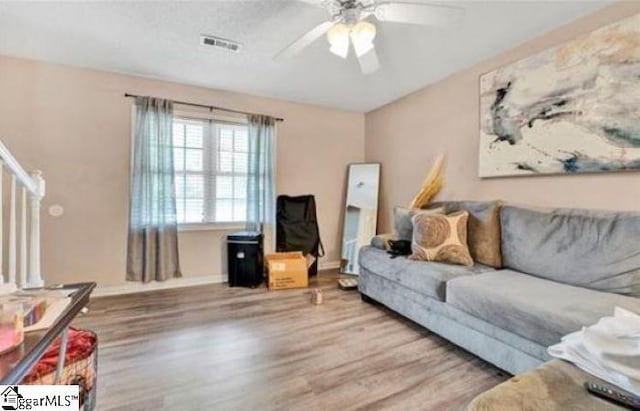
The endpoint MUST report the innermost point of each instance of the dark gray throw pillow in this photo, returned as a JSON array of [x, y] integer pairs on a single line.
[[402, 223]]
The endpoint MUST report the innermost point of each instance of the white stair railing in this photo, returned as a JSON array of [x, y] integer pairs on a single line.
[[32, 191]]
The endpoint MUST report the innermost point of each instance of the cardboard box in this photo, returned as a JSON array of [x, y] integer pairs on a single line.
[[286, 270]]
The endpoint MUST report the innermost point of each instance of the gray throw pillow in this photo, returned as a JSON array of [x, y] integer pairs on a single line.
[[402, 223]]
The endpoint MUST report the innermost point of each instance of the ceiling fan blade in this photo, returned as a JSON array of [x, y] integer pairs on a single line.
[[304, 41], [369, 62], [415, 13]]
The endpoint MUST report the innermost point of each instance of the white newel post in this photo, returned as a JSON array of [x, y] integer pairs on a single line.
[[12, 231], [35, 276], [22, 277], [5, 287], [9, 286]]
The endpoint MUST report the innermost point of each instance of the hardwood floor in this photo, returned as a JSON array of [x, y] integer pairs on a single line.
[[219, 348]]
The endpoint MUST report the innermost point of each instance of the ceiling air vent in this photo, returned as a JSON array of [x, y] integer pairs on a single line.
[[213, 41]]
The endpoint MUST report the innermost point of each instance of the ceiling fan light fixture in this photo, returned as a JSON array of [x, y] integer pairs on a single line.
[[362, 35], [338, 37], [350, 21]]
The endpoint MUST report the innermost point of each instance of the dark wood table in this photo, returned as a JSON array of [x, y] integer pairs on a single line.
[[14, 365]]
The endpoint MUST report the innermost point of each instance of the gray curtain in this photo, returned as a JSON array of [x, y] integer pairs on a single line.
[[261, 179], [152, 249]]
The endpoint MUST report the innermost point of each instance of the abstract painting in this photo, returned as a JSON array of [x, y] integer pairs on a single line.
[[574, 108]]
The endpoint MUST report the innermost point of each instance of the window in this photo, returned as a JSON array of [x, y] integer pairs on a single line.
[[211, 164]]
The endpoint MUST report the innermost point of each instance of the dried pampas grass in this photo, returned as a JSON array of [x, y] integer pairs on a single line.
[[431, 185]]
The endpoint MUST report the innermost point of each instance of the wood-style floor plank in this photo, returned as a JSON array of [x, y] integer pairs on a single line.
[[220, 348]]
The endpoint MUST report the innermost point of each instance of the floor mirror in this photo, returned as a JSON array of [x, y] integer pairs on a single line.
[[360, 213]]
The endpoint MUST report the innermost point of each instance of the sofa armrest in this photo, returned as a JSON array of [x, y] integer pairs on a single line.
[[381, 241]]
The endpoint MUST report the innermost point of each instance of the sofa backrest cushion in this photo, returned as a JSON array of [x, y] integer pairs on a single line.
[[483, 230], [593, 249]]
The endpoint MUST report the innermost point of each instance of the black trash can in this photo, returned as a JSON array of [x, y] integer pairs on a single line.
[[245, 257]]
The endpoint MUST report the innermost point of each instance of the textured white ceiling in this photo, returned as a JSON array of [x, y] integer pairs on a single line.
[[161, 40]]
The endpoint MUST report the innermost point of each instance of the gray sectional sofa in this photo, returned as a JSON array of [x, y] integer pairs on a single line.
[[561, 270]]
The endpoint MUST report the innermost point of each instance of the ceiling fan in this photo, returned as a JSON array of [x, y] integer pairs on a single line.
[[348, 24]]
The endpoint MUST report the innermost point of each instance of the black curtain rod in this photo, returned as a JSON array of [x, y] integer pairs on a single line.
[[184, 103]]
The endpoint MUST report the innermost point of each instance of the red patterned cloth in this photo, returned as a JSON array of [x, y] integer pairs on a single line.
[[80, 367], [81, 344]]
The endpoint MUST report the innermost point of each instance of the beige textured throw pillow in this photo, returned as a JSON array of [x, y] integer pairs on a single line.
[[485, 236], [441, 238], [483, 229]]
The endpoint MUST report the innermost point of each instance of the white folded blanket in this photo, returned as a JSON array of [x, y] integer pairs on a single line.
[[609, 350]]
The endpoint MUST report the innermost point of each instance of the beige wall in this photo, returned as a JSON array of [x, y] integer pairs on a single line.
[[74, 124], [407, 135]]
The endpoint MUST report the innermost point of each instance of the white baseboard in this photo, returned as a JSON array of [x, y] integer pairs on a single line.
[[328, 265], [134, 287]]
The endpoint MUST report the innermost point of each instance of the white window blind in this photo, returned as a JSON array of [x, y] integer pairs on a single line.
[[211, 163]]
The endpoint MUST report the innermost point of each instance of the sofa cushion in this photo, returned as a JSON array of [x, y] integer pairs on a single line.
[[538, 309], [425, 278], [593, 249]]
